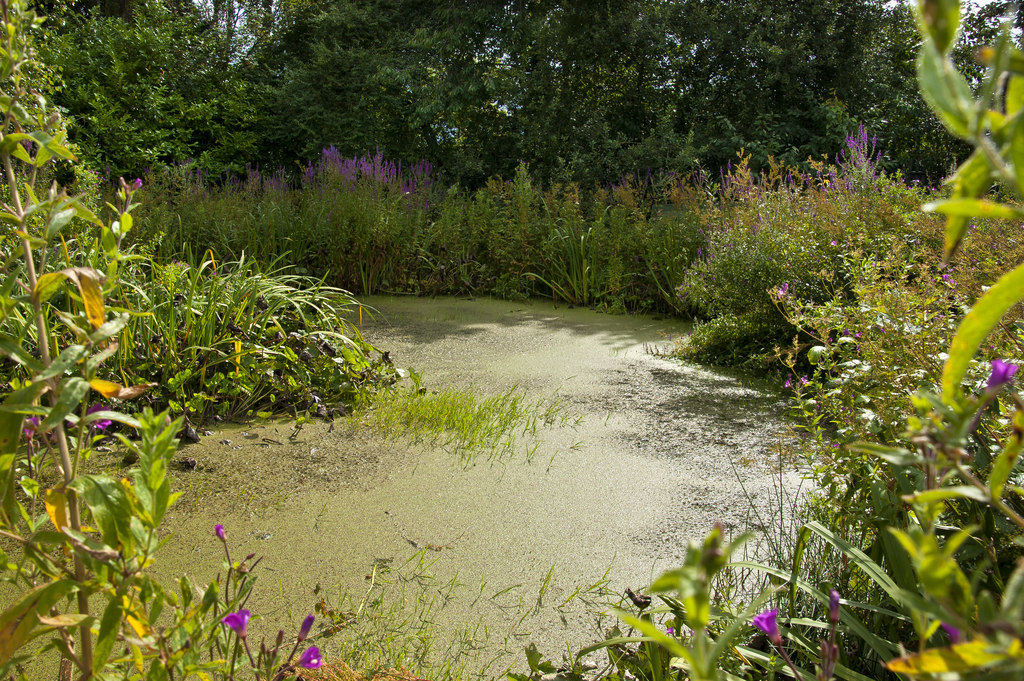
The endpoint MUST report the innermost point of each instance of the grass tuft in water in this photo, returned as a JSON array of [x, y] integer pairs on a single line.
[[468, 423]]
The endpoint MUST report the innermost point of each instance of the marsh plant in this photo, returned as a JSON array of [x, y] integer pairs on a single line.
[[914, 568], [77, 547]]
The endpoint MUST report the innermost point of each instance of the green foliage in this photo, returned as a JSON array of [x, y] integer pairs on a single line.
[[149, 90], [920, 528], [79, 545]]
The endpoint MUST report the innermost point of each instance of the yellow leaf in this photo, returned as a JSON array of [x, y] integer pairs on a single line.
[[57, 507], [106, 388], [116, 390], [140, 627], [958, 658], [92, 296]]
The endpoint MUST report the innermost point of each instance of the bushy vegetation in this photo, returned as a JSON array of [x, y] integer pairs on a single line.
[[581, 92], [909, 561], [225, 295]]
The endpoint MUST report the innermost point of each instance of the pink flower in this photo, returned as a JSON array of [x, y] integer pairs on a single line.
[[1002, 373], [311, 658], [767, 623], [31, 424], [219, 531], [100, 424], [238, 621]]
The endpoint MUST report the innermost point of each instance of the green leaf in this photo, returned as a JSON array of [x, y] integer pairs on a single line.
[[1007, 459], [973, 208], [894, 455], [946, 91], [982, 318], [72, 392], [18, 620], [943, 493], [67, 359], [110, 508], [1017, 141], [110, 626], [940, 21], [10, 421], [48, 284], [972, 179], [16, 352], [109, 328], [58, 221]]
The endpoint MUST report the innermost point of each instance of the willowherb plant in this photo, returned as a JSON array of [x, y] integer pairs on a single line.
[[77, 545]]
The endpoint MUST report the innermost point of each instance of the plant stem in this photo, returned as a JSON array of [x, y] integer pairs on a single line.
[[61, 436]]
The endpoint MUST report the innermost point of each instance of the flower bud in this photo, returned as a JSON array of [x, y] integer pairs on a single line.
[[307, 624]]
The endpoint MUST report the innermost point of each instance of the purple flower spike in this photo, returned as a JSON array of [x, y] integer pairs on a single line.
[[219, 531], [954, 634], [237, 621], [307, 624], [311, 658], [102, 424], [1002, 373], [767, 623], [833, 606], [137, 184]]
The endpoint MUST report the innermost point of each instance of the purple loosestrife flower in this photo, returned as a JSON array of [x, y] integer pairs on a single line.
[[767, 623], [1002, 373], [307, 624], [237, 621], [219, 531], [137, 184], [311, 658], [101, 424]]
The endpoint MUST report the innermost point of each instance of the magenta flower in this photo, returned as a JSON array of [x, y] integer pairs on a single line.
[[782, 291], [767, 623], [954, 634], [311, 658], [137, 184], [31, 424], [237, 621], [307, 624], [219, 531], [1002, 373], [101, 424]]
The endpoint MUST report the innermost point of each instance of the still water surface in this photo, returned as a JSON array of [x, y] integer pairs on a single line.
[[661, 452]]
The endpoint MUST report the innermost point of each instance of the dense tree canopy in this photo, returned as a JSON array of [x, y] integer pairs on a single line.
[[579, 91]]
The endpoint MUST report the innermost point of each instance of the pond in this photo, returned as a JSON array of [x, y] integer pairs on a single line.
[[648, 454]]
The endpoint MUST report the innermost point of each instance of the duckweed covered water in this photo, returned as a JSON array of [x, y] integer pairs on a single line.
[[660, 452]]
